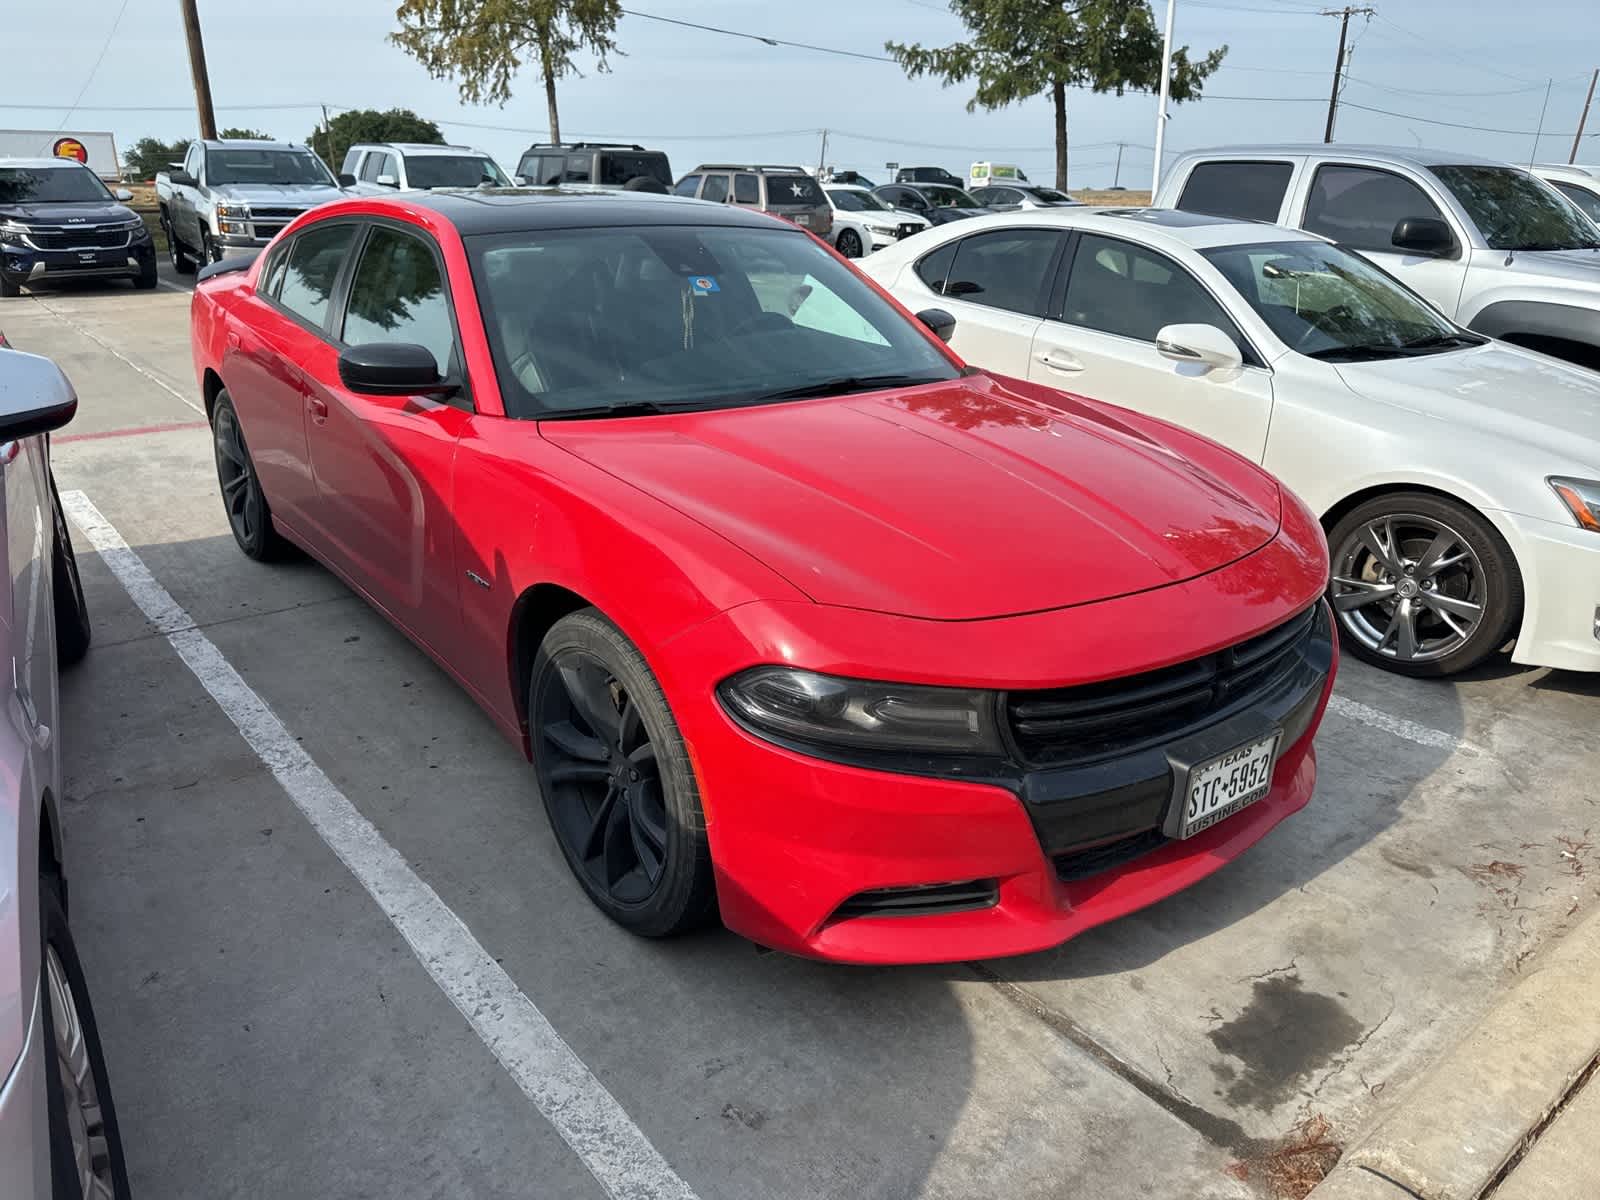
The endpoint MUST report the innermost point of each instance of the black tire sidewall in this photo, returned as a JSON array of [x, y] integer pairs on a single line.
[[73, 629], [685, 896], [55, 934], [854, 239], [1501, 580], [267, 544]]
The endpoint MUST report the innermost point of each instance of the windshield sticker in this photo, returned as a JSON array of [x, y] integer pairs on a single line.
[[703, 285]]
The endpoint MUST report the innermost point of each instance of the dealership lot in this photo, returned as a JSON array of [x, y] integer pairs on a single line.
[[271, 1031]]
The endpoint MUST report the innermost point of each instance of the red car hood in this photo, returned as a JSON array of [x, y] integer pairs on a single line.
[[950, 501]]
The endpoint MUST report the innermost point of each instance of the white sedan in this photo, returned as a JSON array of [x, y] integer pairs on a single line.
[[863, 223], [1458, 478]]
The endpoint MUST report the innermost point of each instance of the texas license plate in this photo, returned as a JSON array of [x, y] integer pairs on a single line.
[[1220, 787]]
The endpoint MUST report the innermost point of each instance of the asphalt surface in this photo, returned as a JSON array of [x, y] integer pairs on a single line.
[[287, 1013]]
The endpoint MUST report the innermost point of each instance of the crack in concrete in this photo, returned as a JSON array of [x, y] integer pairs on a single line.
[[1294, 965], [1348, 1056]]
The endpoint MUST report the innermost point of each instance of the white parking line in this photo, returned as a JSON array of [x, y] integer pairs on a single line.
[[172, 287], [1423, 735], [117, 354], [587, 1116]]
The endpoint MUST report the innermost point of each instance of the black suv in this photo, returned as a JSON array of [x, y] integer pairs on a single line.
[[58, 221], [597, 164]]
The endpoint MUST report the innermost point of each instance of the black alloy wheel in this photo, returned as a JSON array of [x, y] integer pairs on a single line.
[[849, 243], [616, 780], [249, 516]]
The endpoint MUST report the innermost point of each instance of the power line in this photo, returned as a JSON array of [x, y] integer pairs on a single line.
[[757, 37], [1434, 49], [99, 58]]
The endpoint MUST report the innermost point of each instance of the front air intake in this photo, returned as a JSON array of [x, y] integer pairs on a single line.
[[924, 900]]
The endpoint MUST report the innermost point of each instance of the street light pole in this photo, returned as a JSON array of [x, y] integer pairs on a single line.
[[1161, 111]]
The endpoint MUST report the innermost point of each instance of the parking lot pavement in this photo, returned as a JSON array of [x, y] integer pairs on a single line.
[[258, 1004]]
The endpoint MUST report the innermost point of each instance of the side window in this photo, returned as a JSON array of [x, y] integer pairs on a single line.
[[272, 273], [1117, 287], [1005, 269], [746, 189], [716, 188], [314, 260], [352, 159], [1250, 191], [371, 167], [388, 168], [1359, 207], [397, 295], [1587, 202], [577, 168], [687, 186], [912, 200], [934, 269], [191, 161], [543, 170]]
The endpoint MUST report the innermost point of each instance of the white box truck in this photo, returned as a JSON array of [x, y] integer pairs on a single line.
[[97, 151]]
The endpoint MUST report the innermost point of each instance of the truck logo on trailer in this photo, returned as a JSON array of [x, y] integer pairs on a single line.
[[70, 147]]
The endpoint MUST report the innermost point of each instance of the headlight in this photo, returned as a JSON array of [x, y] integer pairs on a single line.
[[831, 713], [1582, 498], [12, 231], [238, 212]]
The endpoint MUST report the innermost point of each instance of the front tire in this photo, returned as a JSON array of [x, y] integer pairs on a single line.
[[616, 779], [146, 279], [86, 1159], [849, 243], [249, 515], [9, 287], [73, 631], [1422, 585]]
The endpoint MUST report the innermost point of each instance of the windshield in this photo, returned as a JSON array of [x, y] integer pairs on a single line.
[[265, 166], [948, 197], [1515, 211], [51, 185], [587, 320], [853, 201], [453, 170], [1330, 303]]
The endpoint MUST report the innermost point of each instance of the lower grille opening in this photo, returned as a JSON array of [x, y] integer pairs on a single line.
[[924, 900], [1082, 864]]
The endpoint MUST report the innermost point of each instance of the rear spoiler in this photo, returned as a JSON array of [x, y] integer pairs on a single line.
[[239, 262]]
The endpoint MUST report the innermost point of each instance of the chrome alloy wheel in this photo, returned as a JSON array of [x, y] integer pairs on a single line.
[[1408, 587], [91, 1152]]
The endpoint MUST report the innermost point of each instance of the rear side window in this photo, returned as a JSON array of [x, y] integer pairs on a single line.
[[542, 170], [794, 190], [1359, 206], [617, 167], [934, 269], [688, 185], [1005, 269], [746, 189], [1250, 191], [376, 165], [397, 295], [272, 273], [313, 267], [716, 188], [577, 169]]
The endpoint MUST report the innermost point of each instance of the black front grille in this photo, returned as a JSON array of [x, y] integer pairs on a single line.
[[278, 214], [103, 237], [920, 901], [1097, 720], [1084, 864], [267, 231]]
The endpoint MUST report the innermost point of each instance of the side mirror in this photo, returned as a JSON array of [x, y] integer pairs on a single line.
[[940, 323], [35, 396], [123, 195], [181, 179], [387, 181], [1424, 235], [1203, 345], [521, 180], [346, 179], [392, 369]]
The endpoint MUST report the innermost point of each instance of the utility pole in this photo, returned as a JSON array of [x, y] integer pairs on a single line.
[[1161, 110], [822, 155], [1116, 177], [1344, 14], [327, 142], [197, 67], [1583, 120]]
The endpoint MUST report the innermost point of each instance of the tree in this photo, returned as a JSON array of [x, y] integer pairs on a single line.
[[1024, 48], [482, 42], [149, 155], [251, 135], [370, 125]]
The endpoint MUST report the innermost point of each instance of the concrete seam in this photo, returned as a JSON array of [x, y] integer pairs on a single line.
[[117, 354], [1531, 1138]]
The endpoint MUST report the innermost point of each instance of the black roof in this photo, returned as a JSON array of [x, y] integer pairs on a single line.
[[513, 210]]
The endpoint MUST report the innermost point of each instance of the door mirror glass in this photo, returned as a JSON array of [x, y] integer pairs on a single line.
[[35, 396], [941, 323], [391, 369], [1203, 345], [123, 194], [1423, 235]]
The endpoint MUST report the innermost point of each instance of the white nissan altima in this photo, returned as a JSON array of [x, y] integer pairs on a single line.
[[1458, 478]]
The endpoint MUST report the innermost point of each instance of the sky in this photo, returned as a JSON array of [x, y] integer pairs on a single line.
[[703, 97]]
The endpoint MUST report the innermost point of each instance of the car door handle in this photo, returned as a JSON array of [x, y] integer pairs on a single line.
[[1059, 360], [319, 409]]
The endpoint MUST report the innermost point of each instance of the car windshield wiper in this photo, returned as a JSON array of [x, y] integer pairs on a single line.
[[634, 408], [843, 386], [1357, 353], [1440, 341]]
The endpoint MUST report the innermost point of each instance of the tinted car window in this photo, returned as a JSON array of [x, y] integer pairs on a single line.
[[272, 273], [1251, 191], [746, 189], [1118, 287], [716, 188], [794, 190], [542, 170], [617, 167], [577, 169], [265, 166], [373, 167], [453, 170], [991, 197], [1587, 201], [397, 295], [934, 269], [688, 185], [1004, 269], [313, 268], [1359, 207]]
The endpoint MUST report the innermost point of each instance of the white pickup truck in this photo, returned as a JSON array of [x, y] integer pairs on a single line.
[[231, 197], [1488, 244]]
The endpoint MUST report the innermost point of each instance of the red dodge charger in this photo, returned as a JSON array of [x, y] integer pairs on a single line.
[[800, 620]]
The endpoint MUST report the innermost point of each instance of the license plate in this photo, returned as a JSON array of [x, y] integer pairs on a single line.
[[802, 219], [1222, 786]]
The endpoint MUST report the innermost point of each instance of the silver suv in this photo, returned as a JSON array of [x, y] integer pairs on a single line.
[[786, 192], [1489, 244], [376, 167]]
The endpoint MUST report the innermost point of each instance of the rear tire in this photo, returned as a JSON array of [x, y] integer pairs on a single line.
[[73, 631], [181, 262], [249, 514]]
